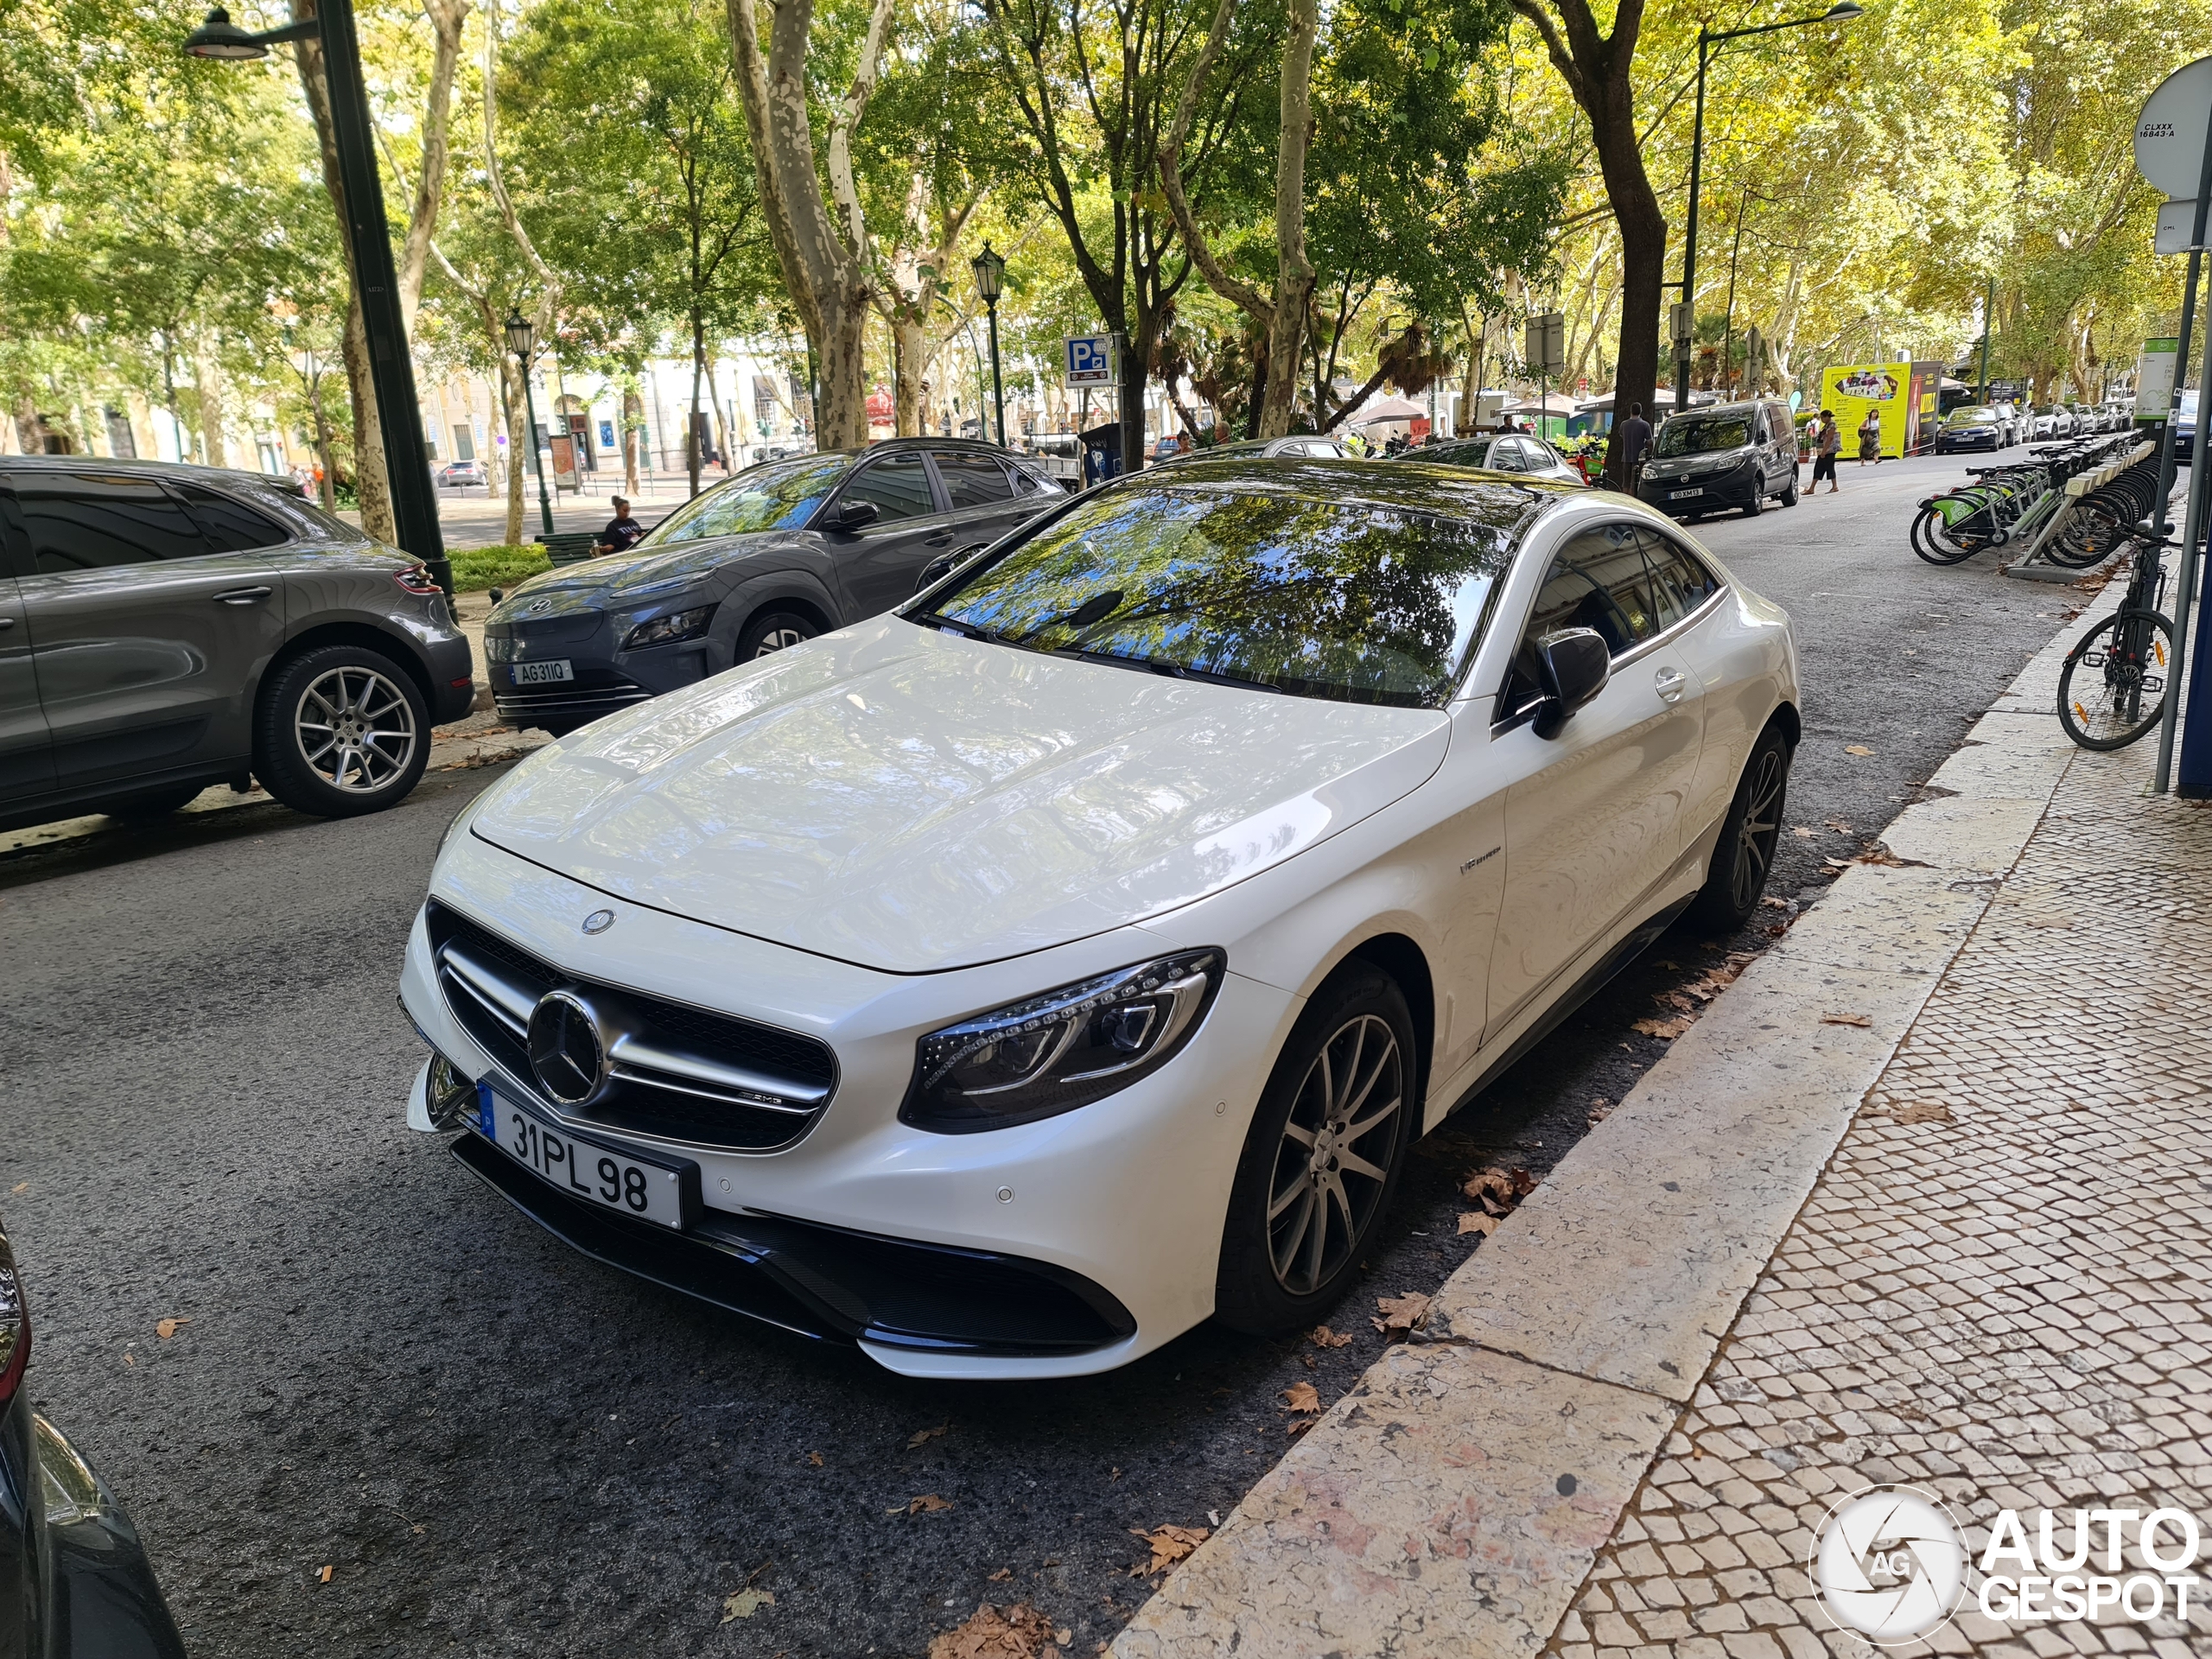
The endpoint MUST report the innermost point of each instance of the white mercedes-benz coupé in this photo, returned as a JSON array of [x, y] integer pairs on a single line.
[[1011, 981]]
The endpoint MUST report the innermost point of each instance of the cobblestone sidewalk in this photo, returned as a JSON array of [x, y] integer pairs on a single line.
[[2001, 1287]]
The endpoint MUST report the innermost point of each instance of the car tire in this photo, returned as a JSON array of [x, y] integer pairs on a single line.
[[1295, 1231], [1744, 854], [1753, 508], [771, 631], [154, 803], [340, 730], [1789, 490]]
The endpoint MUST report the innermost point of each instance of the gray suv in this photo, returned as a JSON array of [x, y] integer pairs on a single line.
[[776, 555], [165, 627]]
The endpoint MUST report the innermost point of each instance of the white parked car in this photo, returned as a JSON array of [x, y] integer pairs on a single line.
[[1012, 981]]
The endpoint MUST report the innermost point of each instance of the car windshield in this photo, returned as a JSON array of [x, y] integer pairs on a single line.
[[2187, 406], [780, 495], [1691, 436], [1972, 414], [1351, 602]]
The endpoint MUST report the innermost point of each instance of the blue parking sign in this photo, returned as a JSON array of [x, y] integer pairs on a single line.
[[1090, 360]]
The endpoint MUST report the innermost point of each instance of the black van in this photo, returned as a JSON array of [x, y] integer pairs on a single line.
[[1723, 457]]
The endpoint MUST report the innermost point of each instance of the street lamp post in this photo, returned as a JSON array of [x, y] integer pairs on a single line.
[[990, 274], [392, 368], [521, 340], [1843, 11]]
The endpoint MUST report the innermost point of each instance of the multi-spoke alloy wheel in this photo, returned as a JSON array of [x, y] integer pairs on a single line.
[[355, 729], [778, 640], [775, 631], [340, 730], [1321, 1157], [1743, 857], [1334, 1161]]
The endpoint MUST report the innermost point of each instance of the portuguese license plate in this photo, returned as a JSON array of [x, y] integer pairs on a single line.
[[1684, 495], [545, 673], [663, 1190]]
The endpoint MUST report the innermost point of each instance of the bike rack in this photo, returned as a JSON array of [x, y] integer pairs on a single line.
[[2032, 567]]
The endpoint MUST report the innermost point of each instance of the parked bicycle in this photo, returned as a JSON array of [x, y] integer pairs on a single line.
[[2113, 687], [2014, 503]]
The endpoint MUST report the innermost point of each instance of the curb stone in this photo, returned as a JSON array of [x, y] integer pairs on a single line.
[[1454, 1501]]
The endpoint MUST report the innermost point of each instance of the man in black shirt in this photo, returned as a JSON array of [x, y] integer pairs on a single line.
[[1635, 436], [622, 533]]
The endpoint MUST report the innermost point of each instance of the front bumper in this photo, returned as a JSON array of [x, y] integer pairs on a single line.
[[105, 1602], [1964, 442], [1058, 1248], [1714, 492], [606, 679]]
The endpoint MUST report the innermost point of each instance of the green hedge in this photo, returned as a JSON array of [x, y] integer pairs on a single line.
[[476, 568]]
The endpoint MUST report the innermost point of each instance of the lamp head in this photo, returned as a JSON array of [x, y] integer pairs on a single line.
[[521, 335], [1844, 11], [219, 37], [990, 274]]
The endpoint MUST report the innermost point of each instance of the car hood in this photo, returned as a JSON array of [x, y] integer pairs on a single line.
[[614, 579], [913, 801]]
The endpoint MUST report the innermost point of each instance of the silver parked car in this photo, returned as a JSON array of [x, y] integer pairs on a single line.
[[1502, 452], [776, 555], [165, 627]]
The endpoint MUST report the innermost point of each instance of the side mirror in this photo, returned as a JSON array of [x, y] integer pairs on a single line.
[[1575, 664], [854, 514]]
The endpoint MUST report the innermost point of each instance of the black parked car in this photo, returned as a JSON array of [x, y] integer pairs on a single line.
[[777, 554], [74, 1581], [1722, 456], [165, 627]]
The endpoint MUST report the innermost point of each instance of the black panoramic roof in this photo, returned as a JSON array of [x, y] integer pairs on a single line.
[[234, 476]]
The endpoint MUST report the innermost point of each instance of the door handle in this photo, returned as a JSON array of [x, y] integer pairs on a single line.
[[937, 540], [1669, 683], [244, 595], [6, 623]]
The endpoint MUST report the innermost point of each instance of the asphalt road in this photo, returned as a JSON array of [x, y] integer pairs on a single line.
[[497, 1447]]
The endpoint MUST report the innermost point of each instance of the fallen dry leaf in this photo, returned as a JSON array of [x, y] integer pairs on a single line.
[[1669, 1029], [1846, 1020], [130, 1359], [1773, 902], [1302, 1397], [814, 1459], [167, 1328], [1856, 748], [1169, 1544], [324, 1576], [1838, 825], [924, 1436], [1001, 1575], [1676, 1001], [1324, 1338], [1401, 1313], [21, 1186], [1021, 1632], [1473, 1221], [1800, 829], [1921, 1111], [927, 1503], [1299, 1425], [745, 1602]]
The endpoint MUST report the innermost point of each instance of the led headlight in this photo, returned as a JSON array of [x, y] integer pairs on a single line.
[[669, 629], [1061, 1050]]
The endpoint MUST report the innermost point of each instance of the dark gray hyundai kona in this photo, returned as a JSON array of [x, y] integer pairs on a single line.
[[777, 555]]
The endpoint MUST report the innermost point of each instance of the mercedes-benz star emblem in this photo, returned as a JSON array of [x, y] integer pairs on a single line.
[[598, 921], [566, 1051]]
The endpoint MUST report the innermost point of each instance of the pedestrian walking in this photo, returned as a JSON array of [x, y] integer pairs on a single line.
[[1827, 443], [1870, 439], [622, 533], [1635, 436]]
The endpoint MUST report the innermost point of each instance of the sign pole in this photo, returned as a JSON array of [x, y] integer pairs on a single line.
[[2196, 754]]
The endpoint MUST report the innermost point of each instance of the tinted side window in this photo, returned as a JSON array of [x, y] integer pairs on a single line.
[[898, 485], [89, 522], [231, 526], [1599, 579], [1679, 574], [972, 481]]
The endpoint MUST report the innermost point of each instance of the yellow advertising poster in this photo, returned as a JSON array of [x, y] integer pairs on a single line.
[[1853, 389]]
